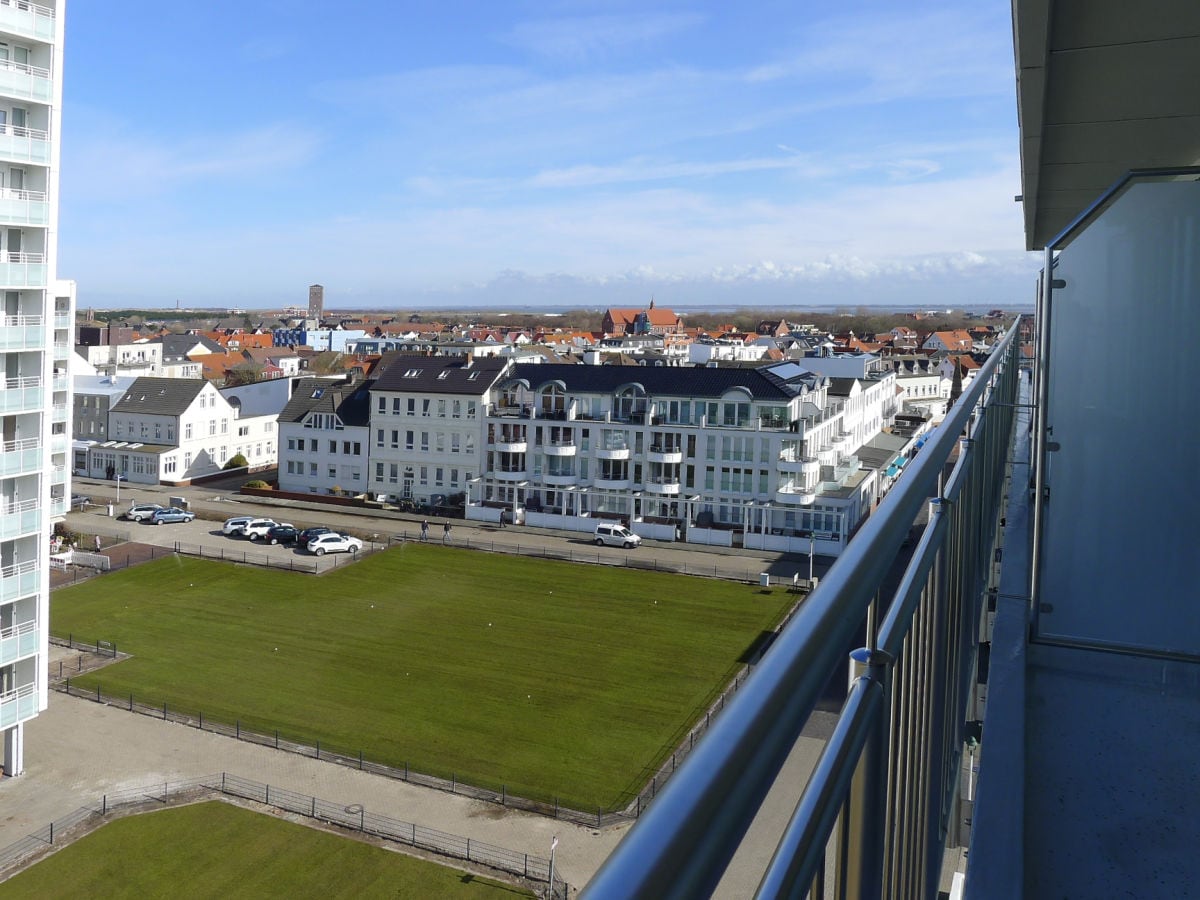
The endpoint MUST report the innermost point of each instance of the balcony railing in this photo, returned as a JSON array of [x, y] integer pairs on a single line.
[[19, 580], [890, 765], [17, 641], [18, 705]]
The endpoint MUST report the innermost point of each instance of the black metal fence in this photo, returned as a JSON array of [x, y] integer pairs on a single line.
[[279, 740], [354, 818]]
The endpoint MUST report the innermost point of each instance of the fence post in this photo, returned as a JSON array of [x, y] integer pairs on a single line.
[[97, 692], [556, 807], [164, 710], [104, 806], [314, 807], [406, 770], [468, 849], [268, 800], [318, 749], [452, 780], [237, 733], [362, 819], [51, 832], [131, 701], [222, 782], [276, 738], [201, 725], [360, 759], [504, 795]]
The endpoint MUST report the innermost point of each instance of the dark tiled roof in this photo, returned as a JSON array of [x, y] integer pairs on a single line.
[[160, 396], [177, 346], [349, 402], [664, 381], [440, 375]]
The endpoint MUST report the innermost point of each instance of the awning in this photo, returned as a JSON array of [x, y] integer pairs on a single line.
[[892, 471], [901, 461]]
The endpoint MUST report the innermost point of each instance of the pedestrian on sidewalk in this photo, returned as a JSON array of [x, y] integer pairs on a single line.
[[425, 529], [97, 543], [446, 532]]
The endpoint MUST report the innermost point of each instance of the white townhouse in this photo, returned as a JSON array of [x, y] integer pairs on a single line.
[[177, 429], [323, 437], [756, 457], [37, 319], [427, 424]]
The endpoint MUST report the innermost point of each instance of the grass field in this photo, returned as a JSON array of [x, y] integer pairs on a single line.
[[218, 850], [552, 679]]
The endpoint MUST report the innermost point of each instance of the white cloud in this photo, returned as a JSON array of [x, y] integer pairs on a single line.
[[585, 38]]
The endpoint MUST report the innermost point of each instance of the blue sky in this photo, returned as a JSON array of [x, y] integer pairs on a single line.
[[563, 152]]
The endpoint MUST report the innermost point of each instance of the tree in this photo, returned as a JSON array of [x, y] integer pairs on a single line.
[[237, 461], [243, 373]]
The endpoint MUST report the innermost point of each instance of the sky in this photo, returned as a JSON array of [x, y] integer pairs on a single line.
[[764, 153]]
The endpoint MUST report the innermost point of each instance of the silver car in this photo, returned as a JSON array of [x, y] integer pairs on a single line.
[[142, 512]]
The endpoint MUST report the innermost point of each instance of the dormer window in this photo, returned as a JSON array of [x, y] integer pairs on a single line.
[[412, 373]]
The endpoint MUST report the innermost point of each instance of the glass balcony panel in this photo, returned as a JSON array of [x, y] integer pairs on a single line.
[[27, 19]]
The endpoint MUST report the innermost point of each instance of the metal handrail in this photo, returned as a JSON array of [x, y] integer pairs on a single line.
[[1101, 203], [682, 844]]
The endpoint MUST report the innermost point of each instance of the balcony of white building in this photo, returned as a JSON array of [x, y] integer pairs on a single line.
[[21, 395], [20, 207], [24, 81], [31, 20], [24, 145], [21, 332], [22, 270]]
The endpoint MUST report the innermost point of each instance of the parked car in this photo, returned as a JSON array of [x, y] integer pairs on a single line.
[[334, 543], [258, 529], [171, 514], [142, 512], [281, 534], [306, 536], [236, 524], [80, 501], [614, 535]]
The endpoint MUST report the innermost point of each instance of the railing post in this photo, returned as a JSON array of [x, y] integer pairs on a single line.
[[864, 820]]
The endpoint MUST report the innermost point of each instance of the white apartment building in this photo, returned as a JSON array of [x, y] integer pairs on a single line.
[[757, 457], [324, 435], [427, 424], [178, 429], [36, 334]]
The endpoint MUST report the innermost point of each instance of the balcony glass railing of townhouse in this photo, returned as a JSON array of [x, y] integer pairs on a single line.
[[19, 580], [28, 145], [18, 705], [64, 320], [17, 519], [19, 395], [22, 333], [18, 641], [890, 766], [23, 207], [25, 81], [27, 19], [20, 457]]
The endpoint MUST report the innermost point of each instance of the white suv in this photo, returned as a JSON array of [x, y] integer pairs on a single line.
[[616, 536], [258, 528], [334, 543]]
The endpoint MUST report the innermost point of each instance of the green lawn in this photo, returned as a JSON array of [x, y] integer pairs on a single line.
[[552, 679], [218, 850]]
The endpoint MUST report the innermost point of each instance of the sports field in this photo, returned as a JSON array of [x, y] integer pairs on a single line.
[[217, 850], [551, 679]]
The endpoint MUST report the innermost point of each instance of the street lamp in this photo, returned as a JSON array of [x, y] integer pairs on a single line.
[[553, 844]]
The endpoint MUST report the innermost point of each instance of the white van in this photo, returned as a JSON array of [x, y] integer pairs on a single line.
[[615, 535]]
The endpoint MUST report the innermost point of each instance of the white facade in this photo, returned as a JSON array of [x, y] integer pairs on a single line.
[[36, 335], [724, 457], [319, 457], [427, 442], [198, 438], [129, 360]]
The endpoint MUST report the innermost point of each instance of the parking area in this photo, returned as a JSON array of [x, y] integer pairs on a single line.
[[203, 537]]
